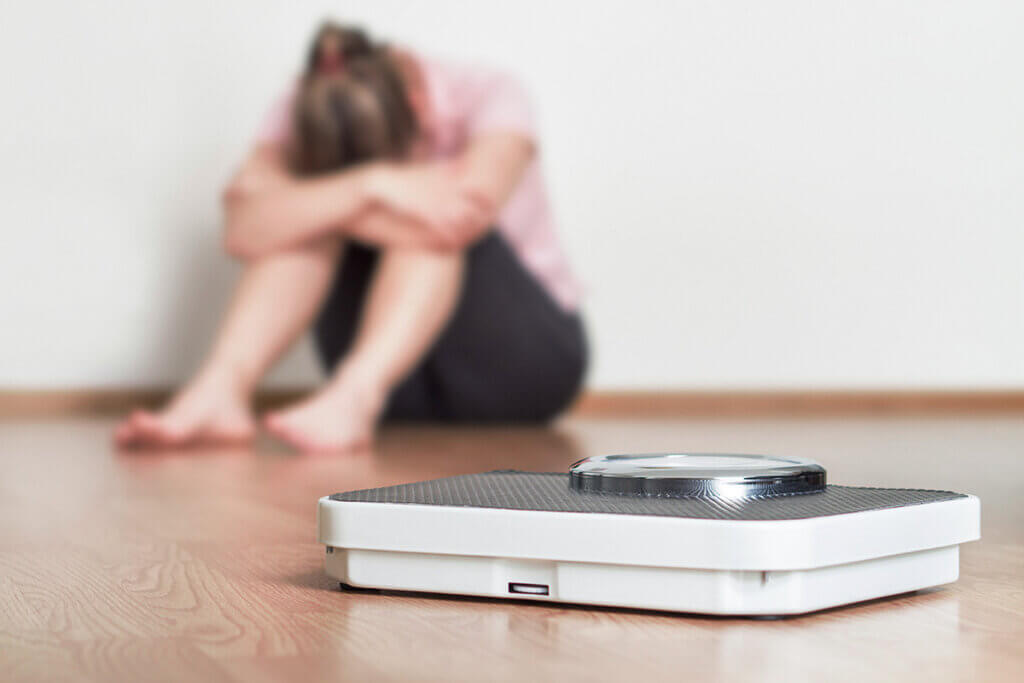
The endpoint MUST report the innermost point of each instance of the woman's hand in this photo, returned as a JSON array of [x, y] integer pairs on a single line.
[[435, 195]]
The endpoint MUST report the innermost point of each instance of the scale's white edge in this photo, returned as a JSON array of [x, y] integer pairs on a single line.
[[644, 540], [711, 591]]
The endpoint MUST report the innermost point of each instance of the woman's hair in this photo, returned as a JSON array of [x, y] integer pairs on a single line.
[[350, 108]]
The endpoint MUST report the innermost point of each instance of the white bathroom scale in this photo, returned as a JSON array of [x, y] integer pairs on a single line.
[[705, 533]]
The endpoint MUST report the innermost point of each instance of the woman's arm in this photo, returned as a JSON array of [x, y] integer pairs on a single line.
[[488, 172], [414, 205], [267, 209], [428, 205], [492, 167]]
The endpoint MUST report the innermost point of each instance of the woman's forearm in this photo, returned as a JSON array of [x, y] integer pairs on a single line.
[[382, 227], [449, 205], [294, 212], [414, 205]]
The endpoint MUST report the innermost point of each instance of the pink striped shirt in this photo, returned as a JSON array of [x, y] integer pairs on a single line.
[[467, 101]]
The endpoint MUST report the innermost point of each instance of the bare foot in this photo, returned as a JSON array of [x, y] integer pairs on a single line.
[[339, 418], [206, 411]]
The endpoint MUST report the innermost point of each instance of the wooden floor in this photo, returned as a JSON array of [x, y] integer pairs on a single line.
[[204, 566]]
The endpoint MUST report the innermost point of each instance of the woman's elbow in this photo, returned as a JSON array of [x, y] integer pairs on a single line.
[[235, 191], [233, 242], [234, 248]]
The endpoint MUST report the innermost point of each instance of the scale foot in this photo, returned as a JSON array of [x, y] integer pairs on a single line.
[[347, 588]]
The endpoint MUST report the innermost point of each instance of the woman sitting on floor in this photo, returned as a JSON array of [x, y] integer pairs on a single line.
[[395, 203]]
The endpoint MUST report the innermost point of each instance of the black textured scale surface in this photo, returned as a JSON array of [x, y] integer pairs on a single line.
[[511, 490]]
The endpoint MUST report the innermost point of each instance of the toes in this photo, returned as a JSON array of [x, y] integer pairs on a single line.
[[147, 426], [140, 429], [172, 428], [124, 434], [156, 432], [130, 433]]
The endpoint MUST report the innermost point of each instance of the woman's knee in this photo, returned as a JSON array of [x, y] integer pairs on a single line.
[[327, 248], [423, 258]]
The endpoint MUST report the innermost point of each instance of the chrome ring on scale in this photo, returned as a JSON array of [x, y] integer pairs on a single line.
[[697, 475]]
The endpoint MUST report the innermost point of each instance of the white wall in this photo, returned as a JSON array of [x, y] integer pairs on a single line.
[[790, 193]]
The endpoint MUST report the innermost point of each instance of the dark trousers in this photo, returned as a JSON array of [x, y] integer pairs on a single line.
[[509, 353]]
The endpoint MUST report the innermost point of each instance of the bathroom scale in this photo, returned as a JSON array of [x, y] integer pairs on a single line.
[[713, 533]]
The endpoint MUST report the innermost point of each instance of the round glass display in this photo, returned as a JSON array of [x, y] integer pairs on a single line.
[[709, 475]]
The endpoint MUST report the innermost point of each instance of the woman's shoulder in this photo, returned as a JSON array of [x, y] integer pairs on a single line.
[[276, 122], [465, 77], [480, 96]]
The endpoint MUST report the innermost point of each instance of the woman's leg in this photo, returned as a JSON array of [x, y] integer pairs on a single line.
[[411, 298], [274, 302], [510, 353]]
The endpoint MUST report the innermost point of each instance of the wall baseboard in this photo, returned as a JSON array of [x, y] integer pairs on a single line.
[[802, 402], [88, 402]]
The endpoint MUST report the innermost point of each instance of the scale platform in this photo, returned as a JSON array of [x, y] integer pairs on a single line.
[[727, 534]]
